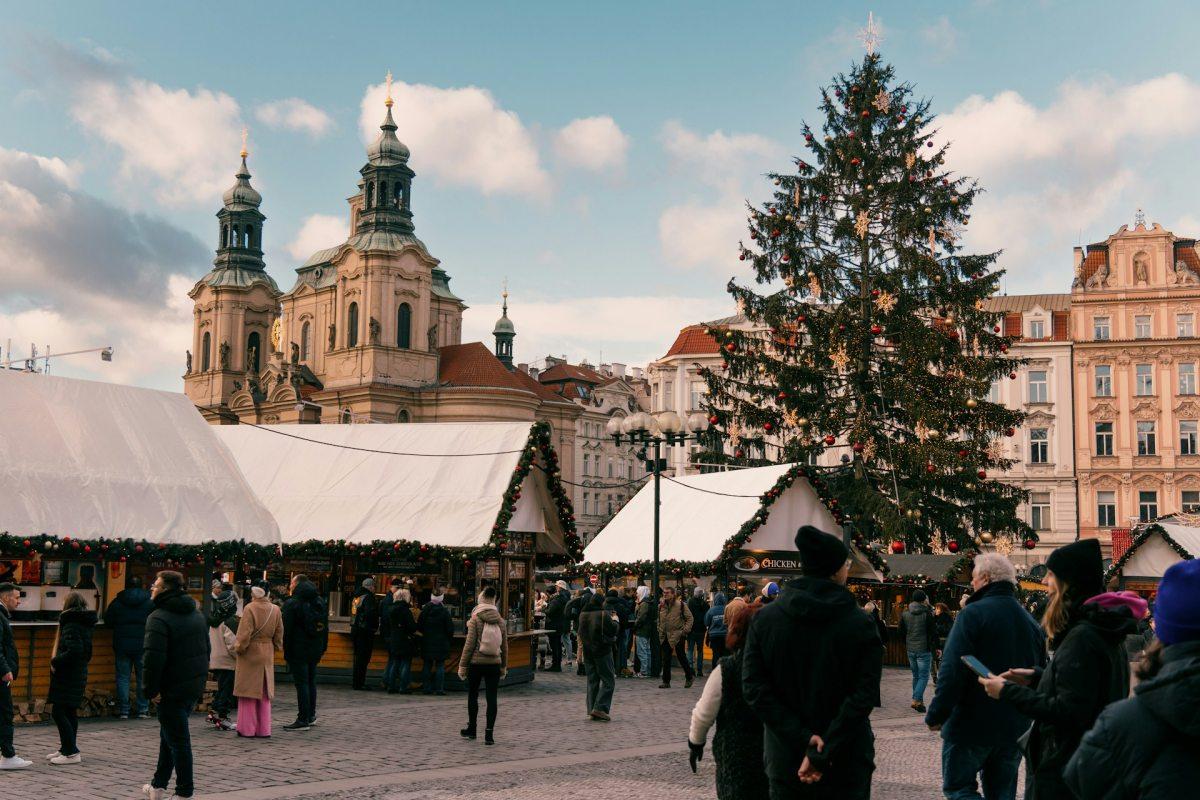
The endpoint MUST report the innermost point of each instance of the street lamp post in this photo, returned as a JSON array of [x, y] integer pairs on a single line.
[[652, 432]]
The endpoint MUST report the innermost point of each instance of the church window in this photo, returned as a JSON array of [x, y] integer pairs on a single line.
[[205, 348], [352, 326], [404, 326], [384, 200], [403, 416], [224, 235], [347, 418], [370, 194], [305, 343], [253, 352], [399, 201]]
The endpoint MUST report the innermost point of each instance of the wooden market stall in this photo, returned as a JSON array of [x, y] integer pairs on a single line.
[[103, 482], [454, 505], [1154, 549]]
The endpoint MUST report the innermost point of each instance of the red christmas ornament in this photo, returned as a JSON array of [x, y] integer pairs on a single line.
[[742, 257], [1003, 348], [858, 447], [775, 233], [27, 543], [786, 258], [866, 114], [1010, 431], [712, 420], [929, 467], [768, 427], [877, 329], [995, 329], [67, 539], [897, 547], [731, 347], [952, 546], [801, 319], [1012, 376], [138, 548], [824, 198], [1030, 544], [855, 161], [981, 474], [874, 293], [830, 439], [963, 453], [739, 454], [87, 548]]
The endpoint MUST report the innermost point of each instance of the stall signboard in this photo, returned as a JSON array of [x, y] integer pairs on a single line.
[[312, 564], [519, 544], [489, 569], [53, 572], [516, 569], [771, 562], [405, 566]]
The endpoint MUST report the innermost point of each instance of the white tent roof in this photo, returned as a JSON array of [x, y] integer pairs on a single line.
[[319, 491], [90, 460], [694, 525], [1153, 556]]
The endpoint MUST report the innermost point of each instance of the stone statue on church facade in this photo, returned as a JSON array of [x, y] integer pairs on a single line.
[[223, 355], [373, 330], [188, 371]]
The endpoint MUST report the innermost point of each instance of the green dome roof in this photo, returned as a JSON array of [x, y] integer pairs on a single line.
[[387, 150], [242, 196]]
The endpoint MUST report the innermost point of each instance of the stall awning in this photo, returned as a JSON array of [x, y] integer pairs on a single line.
[[1160, 545], [437, 483], [91, 460]]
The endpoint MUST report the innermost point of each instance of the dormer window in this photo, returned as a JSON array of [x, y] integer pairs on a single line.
[[1037, 329]]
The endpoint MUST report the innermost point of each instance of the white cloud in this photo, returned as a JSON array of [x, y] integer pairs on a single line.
[[318, 232], [593, 143], [460, 137], [941, 37], [721, 155], [629, 330], [295, 114], [694, 235], [183, 142]]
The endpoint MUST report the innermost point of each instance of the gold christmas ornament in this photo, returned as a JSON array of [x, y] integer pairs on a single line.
[[796, 195], [910, 159], [861, 224], [921, 431], [814, 285], [803, 422], [885, 301], [987, 537], [932, 242], [979, 304], [840, 358], [868, 451], [734, 432], [972, 402], [882, 102]]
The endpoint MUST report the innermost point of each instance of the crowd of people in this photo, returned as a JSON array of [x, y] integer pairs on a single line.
[[794, 677]]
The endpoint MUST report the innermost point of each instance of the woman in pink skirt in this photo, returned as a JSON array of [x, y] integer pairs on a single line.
[[259, 635]]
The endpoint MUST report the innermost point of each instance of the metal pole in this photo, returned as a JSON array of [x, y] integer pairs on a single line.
[[657, 501]]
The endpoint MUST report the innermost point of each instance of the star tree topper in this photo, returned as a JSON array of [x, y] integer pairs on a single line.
[[870, 36]]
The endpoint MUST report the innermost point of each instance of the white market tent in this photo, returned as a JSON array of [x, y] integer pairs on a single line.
[[437, 483], [1154, 550], [694, 525], [90, 460]]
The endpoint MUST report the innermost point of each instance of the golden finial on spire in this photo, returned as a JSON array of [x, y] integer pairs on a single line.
[[388, 101], [504, 295], [245, 134]]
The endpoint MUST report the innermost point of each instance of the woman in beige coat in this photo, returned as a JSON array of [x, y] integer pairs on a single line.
[[260, 634]]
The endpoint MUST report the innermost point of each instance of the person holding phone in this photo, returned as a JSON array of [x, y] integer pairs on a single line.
[[979, 737]]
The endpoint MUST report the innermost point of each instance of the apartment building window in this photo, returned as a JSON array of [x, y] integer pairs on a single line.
[[1187, 377], [654, 403], [1039, 388], [1185, 325], [668, 400], [610, 505], [587, 464], [1187, 437], [1101, 329], [1039, 511], [699, 389], [993, 395], [629, 467], [1104, 438], [1144, 383], [1190, 502], [1145, 439], [1106, 509], [1147, 506], [1039, 446], [610, 470], [1037, 329], [1141, 326], [587, 503], [1103, 380]]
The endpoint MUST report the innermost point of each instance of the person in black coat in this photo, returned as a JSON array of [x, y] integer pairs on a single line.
[[1087, 630], [402, 629], [556, 623], [979, 737], [385, 628], [126, 615], [364, 624], [575, 607], [1148, 747], [176, 669], [305, 637], [698, 605], [811, 672], [10, 668], [615, 604], [69, 674], [437, 634]]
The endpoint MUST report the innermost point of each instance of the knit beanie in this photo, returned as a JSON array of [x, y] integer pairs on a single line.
[[1081, 566], [257, 592], [369, 584], [1177, 610], [821, 554], [771, 589], [643, 592]]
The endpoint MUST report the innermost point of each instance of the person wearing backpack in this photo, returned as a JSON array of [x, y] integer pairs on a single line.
[[363, 625], [484, 660], [598, 630], [305, 637]]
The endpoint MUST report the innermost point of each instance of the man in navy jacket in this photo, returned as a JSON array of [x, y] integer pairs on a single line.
[[979, 737]]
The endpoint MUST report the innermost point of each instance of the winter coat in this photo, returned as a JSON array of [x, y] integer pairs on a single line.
[[10, 657], [1146, 747], [994, 628], [222, 647], [484, 614], [437, 632], [260, 634], [618, 606], [576, 606], [698, 607], [645, 621], [812, 665], [714, 618], [674, 622], [556, 617], [401, 629], [126, 615], [880, 627], [175, 651], [305, 625], [1087, 672], [365, 612], [385, 608], [942, 623], [69, 666], [737, 746], [598, 631], [916, 629]]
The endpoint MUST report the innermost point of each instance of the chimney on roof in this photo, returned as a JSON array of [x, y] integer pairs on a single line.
[[1078, 259], [523, 368], [554, 361], [585, 363], [618, 369], [534, 372], [637, 373], [605, 369]]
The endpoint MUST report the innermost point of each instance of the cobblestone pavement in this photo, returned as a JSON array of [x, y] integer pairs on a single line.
[[372, 746]]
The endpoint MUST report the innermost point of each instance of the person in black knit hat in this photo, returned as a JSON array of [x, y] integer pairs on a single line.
[[811, 671]]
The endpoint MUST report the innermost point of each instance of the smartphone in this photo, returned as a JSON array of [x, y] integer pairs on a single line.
[[976, 666]]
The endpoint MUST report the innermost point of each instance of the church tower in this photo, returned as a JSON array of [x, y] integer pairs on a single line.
[[505, 332], [236, 305]]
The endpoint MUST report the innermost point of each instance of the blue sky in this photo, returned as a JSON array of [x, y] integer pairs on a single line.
[[596, 155]]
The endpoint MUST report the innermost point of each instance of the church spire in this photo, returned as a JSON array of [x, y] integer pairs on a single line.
[[505, 332], [240, 221], [386, 178]]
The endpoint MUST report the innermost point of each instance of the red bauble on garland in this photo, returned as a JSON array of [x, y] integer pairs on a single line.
[[897, 547], [1030, 544], [952, 546]]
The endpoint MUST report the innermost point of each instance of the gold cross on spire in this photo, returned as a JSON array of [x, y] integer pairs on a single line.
[[870, 36], [245, 134], [388, 101]]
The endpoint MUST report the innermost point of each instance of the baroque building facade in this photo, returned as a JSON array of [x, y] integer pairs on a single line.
[[1134, 305]]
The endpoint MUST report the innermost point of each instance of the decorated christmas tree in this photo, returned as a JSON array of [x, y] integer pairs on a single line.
[[870, 346]]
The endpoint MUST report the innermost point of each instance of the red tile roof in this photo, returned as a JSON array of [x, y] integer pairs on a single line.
[[1185, 250], [692, 340], [544, 393], [1097, 254], [472, 364], [570, 372]]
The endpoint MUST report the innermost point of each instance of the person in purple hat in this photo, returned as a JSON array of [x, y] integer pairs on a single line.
[[1149, 745]]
